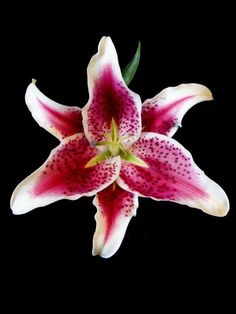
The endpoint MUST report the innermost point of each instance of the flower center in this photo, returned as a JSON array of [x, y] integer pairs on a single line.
[[114, 147], [113, 143]]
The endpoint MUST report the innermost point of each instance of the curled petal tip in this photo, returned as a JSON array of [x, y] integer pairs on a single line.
[[205, 92], [209, 95], [197, 90], [12, 206], [220, 207], [105, 38], [99, 246], [105, 44], [18, 201], [34, 81], [163, 113], [217, 202], [95, 252], [59, 120], [222, 212], [102, 253]]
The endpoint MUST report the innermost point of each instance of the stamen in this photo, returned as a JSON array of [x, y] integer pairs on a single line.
[[114, 143]]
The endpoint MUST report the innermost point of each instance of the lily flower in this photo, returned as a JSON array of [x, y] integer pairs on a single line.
[[117, 149]]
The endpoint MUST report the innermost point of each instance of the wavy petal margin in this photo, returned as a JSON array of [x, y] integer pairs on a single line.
[[115, 208]]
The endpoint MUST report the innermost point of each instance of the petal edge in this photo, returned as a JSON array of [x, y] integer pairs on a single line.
[[115, 208], [59, 120], [163, 114]]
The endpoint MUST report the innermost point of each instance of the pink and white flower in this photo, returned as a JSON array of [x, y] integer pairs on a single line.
[[117, 149]]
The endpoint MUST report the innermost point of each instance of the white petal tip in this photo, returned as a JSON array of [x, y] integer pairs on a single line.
[[208, 95], [18, 207], [106, 46], [106, 55], [220, 211], [203, 92], [100, 248], [21, 200], [102, 253], [18, 210], [219, 203], [98, 253], [34, 81], [103, 248], [197, 90], [105, 40], [17, 213]]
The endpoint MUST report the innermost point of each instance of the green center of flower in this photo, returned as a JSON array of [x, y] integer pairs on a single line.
[[113, 147], [113, 143]]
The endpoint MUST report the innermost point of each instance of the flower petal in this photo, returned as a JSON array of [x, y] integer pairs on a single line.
[[115, 208], [163, 113], [64, 176], [109, 98], [172, 175], [61, 121]]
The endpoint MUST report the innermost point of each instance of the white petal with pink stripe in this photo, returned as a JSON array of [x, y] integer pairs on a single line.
[[61, 121], [110, 98], [163, 113], [171, 175], [64, 176], [115, 208]]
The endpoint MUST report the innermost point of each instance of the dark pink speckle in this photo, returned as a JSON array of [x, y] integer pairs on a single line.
[[112, 99], [66, 173], [165, 178], [161, 119], [115, 202]]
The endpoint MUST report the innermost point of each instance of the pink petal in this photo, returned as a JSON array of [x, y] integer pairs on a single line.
[[61, 121], [109, 97], [172, 175], [64, 176], [115, 208], [163, 113]]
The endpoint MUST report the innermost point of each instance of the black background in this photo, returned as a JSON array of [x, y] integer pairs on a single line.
[[168, 249]]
